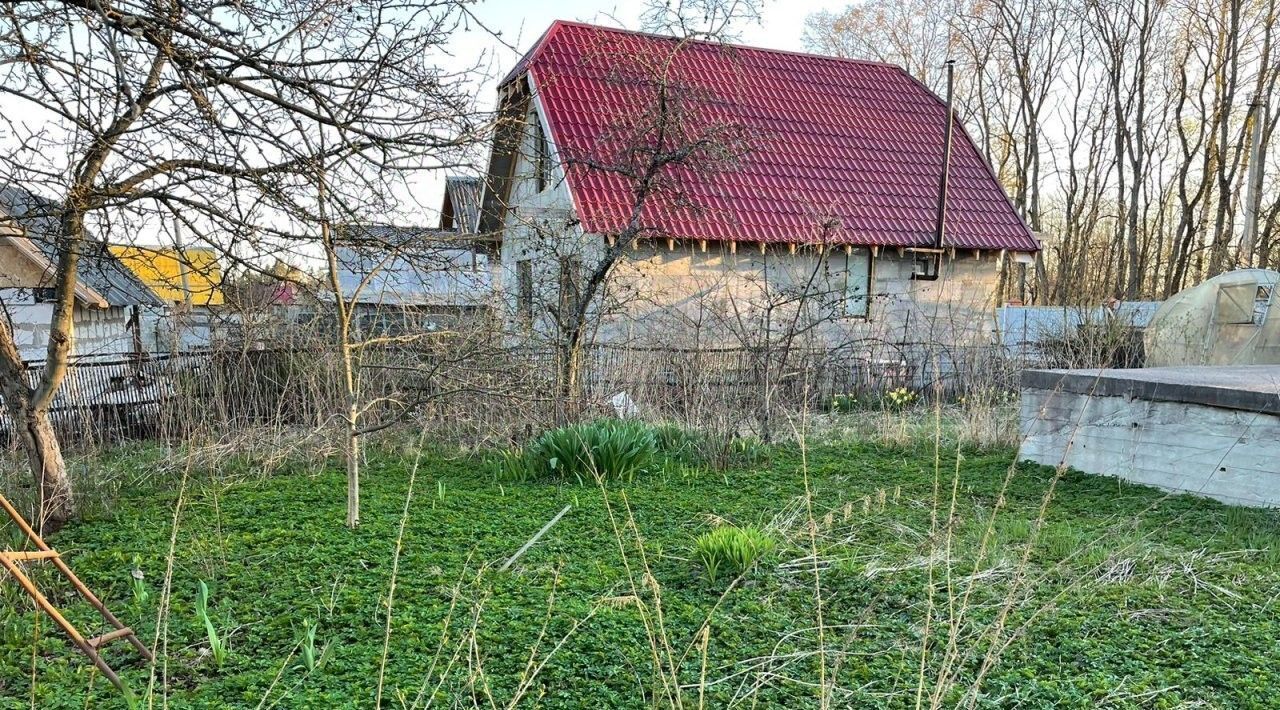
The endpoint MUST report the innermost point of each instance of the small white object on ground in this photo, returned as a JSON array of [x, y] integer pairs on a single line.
[[624, 406]]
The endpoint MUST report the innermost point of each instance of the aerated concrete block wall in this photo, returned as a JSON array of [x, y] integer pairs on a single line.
[[98, 331]]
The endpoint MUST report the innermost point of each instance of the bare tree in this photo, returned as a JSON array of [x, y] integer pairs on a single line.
[[148, 113], [918, 35], [1183, 85], [665, 144], [717, 20]]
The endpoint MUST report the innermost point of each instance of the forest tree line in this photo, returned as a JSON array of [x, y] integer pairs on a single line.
[[1134, 136]]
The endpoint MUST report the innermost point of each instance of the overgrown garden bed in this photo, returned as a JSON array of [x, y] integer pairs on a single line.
[[1116, 595]]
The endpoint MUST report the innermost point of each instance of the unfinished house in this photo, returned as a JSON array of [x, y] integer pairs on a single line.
[[112, 305], [761, 194], [403, 279]]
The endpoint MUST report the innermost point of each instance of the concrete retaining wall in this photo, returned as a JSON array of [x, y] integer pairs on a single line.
[[1181, 429]]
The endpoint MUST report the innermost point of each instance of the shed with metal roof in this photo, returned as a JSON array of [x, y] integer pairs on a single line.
[[109, 299]]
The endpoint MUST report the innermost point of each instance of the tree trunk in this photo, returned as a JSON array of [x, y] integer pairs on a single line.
[[353, 469], [571, 371], [57, 503], [34, 432], [350, 382]]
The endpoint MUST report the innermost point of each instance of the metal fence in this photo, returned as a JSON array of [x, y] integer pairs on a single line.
[[108, 396]]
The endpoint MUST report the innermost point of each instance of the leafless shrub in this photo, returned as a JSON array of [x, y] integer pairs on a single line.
[[1105, 342]]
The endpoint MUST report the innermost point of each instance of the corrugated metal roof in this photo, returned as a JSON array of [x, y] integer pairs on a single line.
[[97, 267], [828, 139]]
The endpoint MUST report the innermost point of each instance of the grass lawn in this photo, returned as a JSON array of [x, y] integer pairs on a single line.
[[1127, 597]]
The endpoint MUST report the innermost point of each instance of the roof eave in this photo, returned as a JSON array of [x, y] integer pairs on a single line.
[[84, 293]]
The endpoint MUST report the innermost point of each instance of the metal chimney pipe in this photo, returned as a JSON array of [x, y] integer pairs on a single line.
[[946, 156]]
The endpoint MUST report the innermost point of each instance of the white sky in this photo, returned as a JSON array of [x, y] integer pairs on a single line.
[[521, 22]]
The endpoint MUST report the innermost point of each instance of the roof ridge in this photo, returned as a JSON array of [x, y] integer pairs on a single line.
[[99, 270], [735, 45], [523, 63]]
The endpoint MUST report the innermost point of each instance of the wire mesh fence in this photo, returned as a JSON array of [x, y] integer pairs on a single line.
[[479, 390]]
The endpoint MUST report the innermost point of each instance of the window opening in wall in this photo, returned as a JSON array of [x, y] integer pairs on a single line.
[[849, 283], [1262, 303], [524, 292], [541, 155], [926, 265], [1241, 304]]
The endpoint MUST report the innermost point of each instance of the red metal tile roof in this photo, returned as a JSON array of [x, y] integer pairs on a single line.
[[860, 142]]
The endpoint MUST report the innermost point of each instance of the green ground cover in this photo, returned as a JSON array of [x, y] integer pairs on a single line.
[[1126, 598]]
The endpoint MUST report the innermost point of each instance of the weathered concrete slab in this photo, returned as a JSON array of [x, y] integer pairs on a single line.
[[1209, 431], [1250, 388]]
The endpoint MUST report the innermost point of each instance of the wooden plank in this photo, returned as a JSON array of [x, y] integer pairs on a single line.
[[61, 621], [537, 536], [97, 641], [21, 522], [29, 555], [79, 586]]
